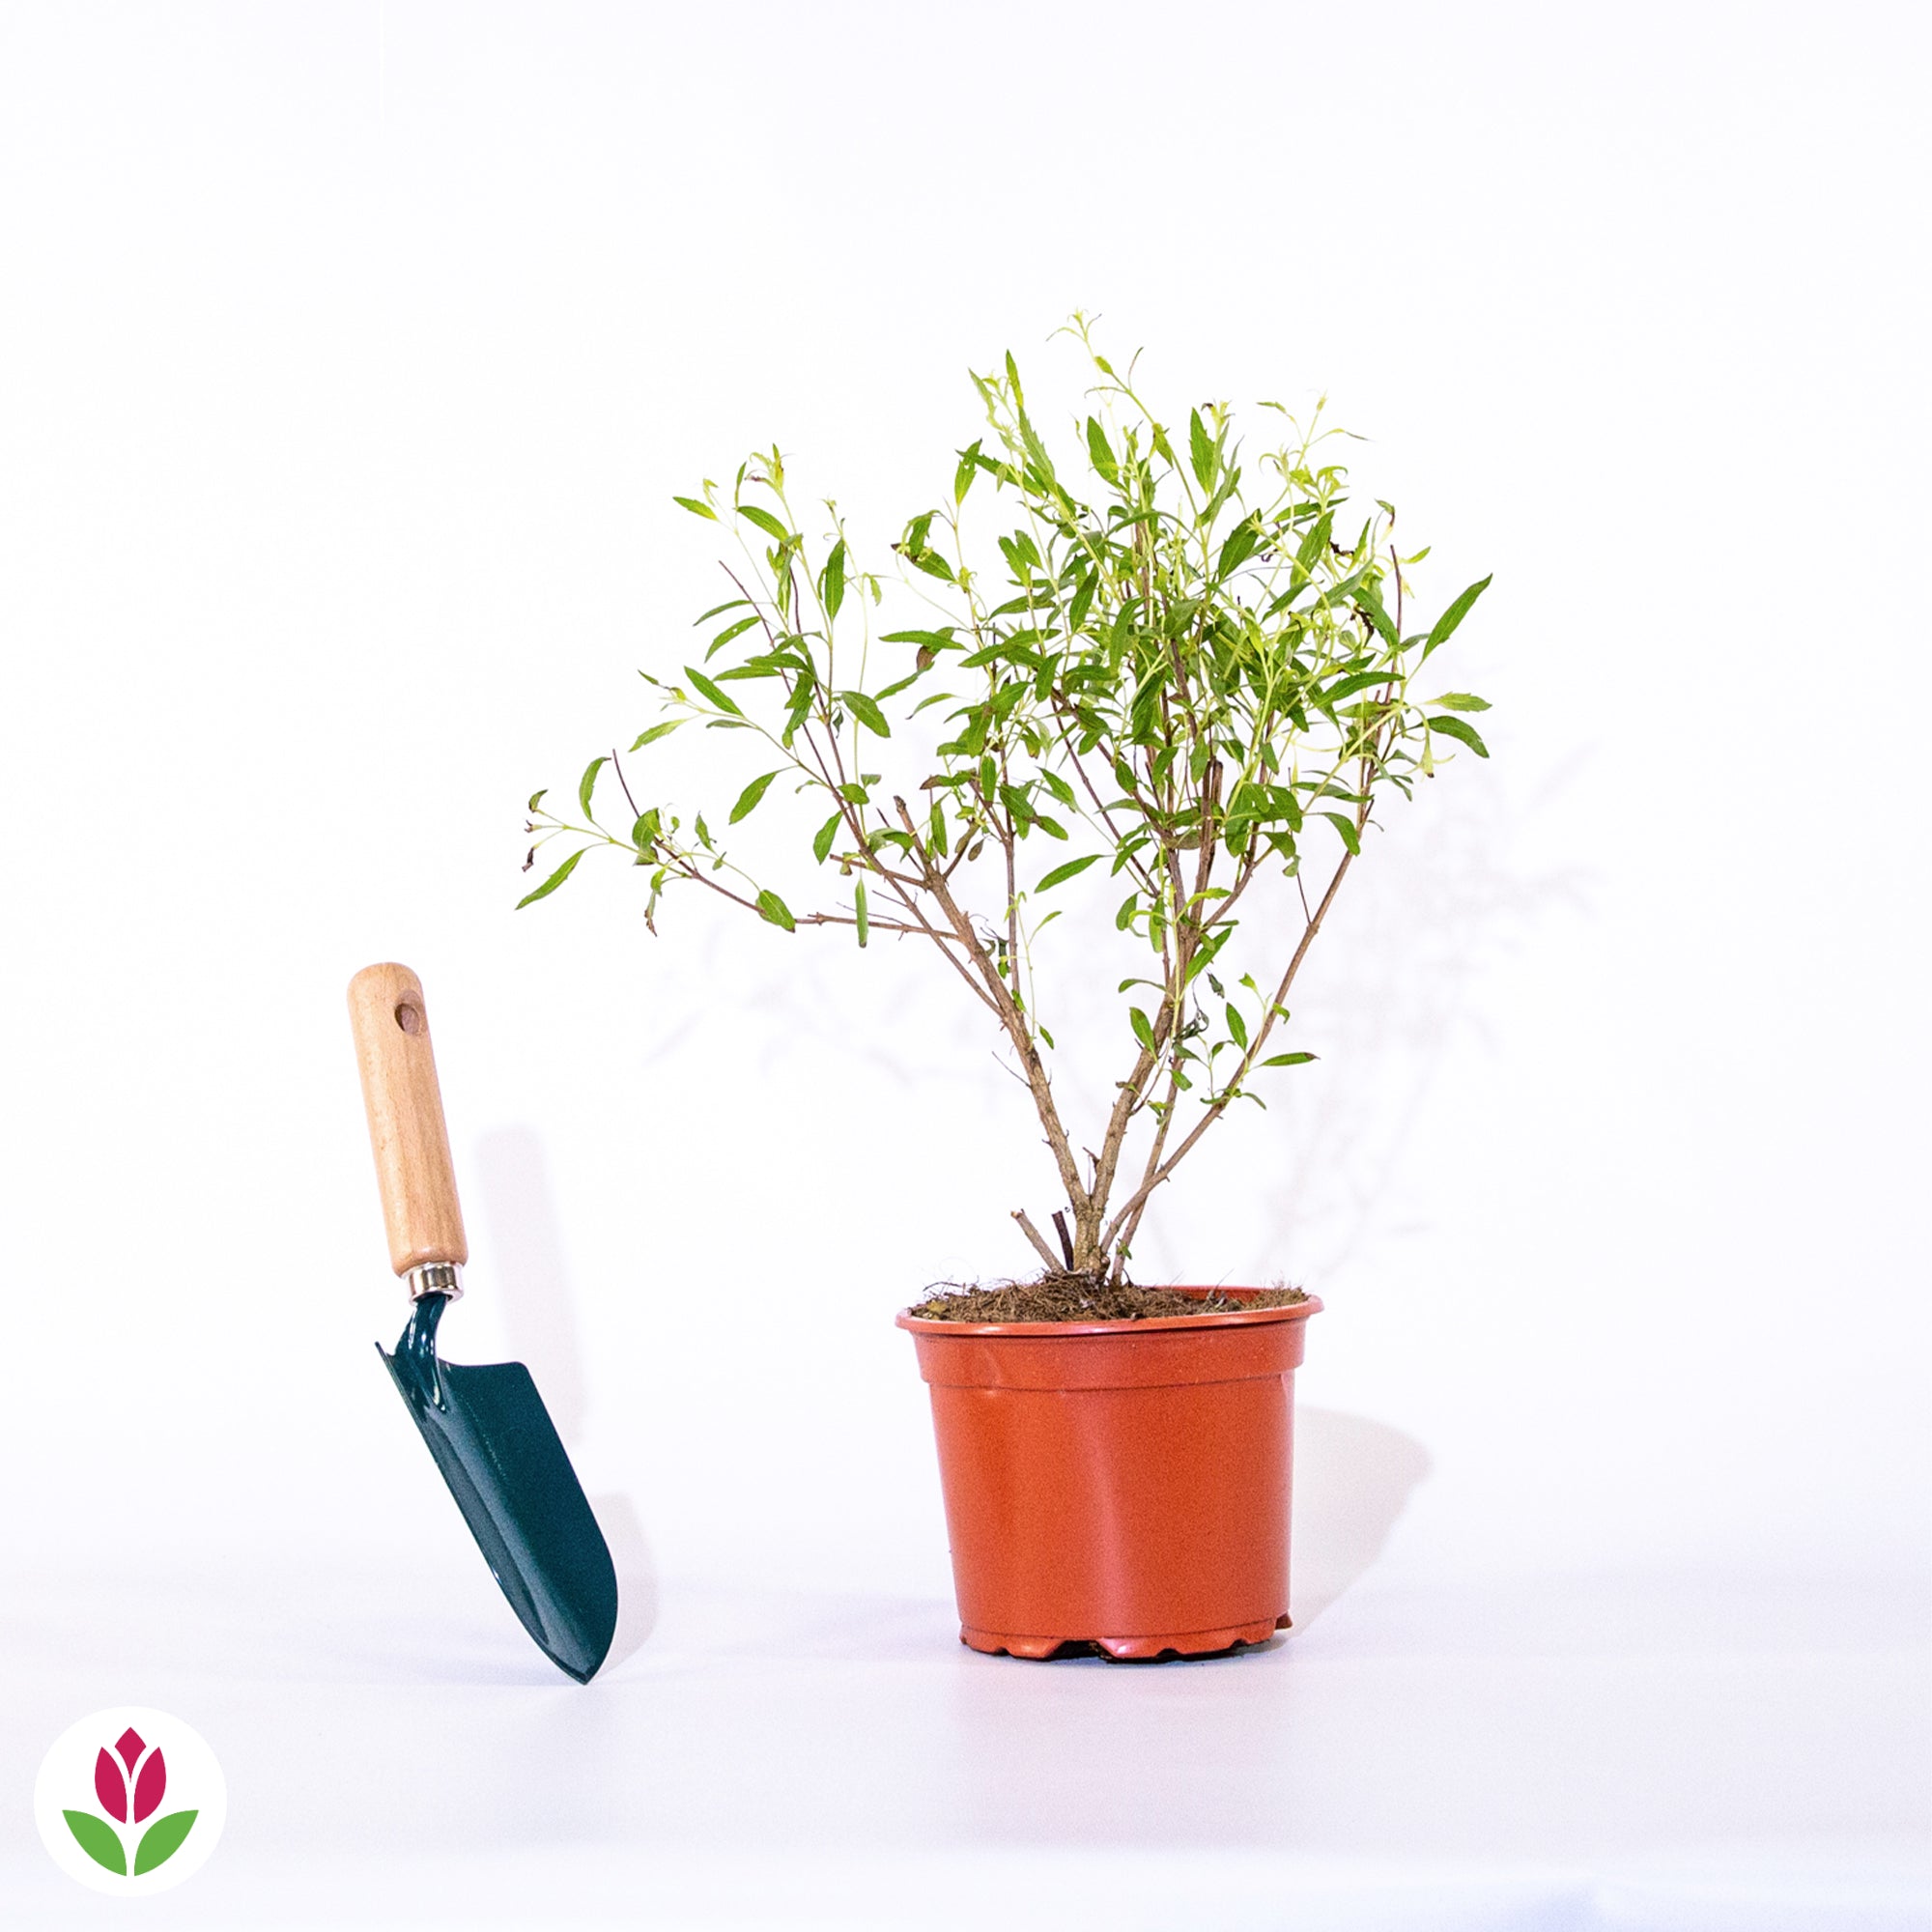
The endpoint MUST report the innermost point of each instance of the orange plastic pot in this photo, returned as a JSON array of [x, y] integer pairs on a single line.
[[1119, 1484]]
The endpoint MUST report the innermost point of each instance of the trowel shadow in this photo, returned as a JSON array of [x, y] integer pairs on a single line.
[[1352, 1480], [637, 1576], [538, 1309]]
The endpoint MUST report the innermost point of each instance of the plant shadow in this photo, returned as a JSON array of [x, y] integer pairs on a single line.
[[1352, 1480], [1391, 994]]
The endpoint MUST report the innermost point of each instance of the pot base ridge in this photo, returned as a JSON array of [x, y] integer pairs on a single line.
[[1125, 1649]]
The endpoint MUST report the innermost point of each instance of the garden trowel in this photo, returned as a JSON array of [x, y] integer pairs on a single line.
[[486, 1424]]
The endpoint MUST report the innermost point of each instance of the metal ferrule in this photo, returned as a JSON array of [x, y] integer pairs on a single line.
[[442, 1278]]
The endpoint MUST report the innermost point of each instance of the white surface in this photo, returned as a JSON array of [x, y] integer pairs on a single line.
[[352, 355], [1648, 1753]]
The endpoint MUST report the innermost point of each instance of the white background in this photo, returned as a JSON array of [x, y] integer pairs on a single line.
[[351, 355]]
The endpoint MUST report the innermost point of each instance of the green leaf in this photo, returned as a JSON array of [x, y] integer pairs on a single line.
[[1462, 731], [831, 583], [656, 732], [1083, 600], [644, 830], [1124, 918], [821, 840], [697, 509], [1142, 1028], [719, 610], [556, 879], [1200, 450], [1456, 612], [764, 520], [163, 1839], [1100, 452], [1347, 687], [1338, 593], [730, 631], [1368, 599], [1230, 481], [902, 684], [1205, 959], [1350, 837], [1235, 552], [860, 911], [962, 477], [1042, 476], [1287, 1059], [867, 712], [1237, 1027], [588, 783], [748, 798], [1461, 701], [710, 692], [536, 797], [1061, 873], [99, 1840], [773, 908]]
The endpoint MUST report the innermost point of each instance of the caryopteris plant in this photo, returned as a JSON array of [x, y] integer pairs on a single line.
[[1190, 667]]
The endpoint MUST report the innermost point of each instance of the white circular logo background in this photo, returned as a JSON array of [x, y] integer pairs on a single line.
[[130, 1777]]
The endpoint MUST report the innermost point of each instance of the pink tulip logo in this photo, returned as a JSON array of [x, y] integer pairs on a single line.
[[129, 1783], [129, 1800]]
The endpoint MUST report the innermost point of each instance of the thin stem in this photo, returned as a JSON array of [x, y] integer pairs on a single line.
[[619, 768], [1158, 1172], [1034, 1235]]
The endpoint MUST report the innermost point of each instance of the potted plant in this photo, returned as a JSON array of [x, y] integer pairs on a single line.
[[1166, 701]]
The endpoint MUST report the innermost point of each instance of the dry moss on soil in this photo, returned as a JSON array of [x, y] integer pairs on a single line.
[[1086, 1297]]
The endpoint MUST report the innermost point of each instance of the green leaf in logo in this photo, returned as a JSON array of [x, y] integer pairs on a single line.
[[161, 1840], [100, 1841]]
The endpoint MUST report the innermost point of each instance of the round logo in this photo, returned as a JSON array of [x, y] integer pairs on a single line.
[[130, 1801]]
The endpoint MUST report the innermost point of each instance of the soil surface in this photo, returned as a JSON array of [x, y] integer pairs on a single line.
[[1086, 1297]]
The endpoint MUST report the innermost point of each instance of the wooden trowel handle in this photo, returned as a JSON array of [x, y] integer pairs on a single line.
[[405, 1129]]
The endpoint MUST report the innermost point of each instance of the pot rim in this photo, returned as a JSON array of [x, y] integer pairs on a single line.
[[1234, 1317]]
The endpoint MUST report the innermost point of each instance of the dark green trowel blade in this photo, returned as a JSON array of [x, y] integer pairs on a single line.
[[498, 1452]]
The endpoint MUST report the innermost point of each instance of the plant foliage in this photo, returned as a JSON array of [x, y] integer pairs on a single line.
[[1181, 670]]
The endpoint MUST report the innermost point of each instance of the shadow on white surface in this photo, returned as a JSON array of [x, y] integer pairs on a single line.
[[637, 1576], [526, 1256], [1750, 1762], [1393, 990], [1352, 1480], [529, 1271]]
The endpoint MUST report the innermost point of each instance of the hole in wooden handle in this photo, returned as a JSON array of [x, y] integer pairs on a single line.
[[410, 1018]]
